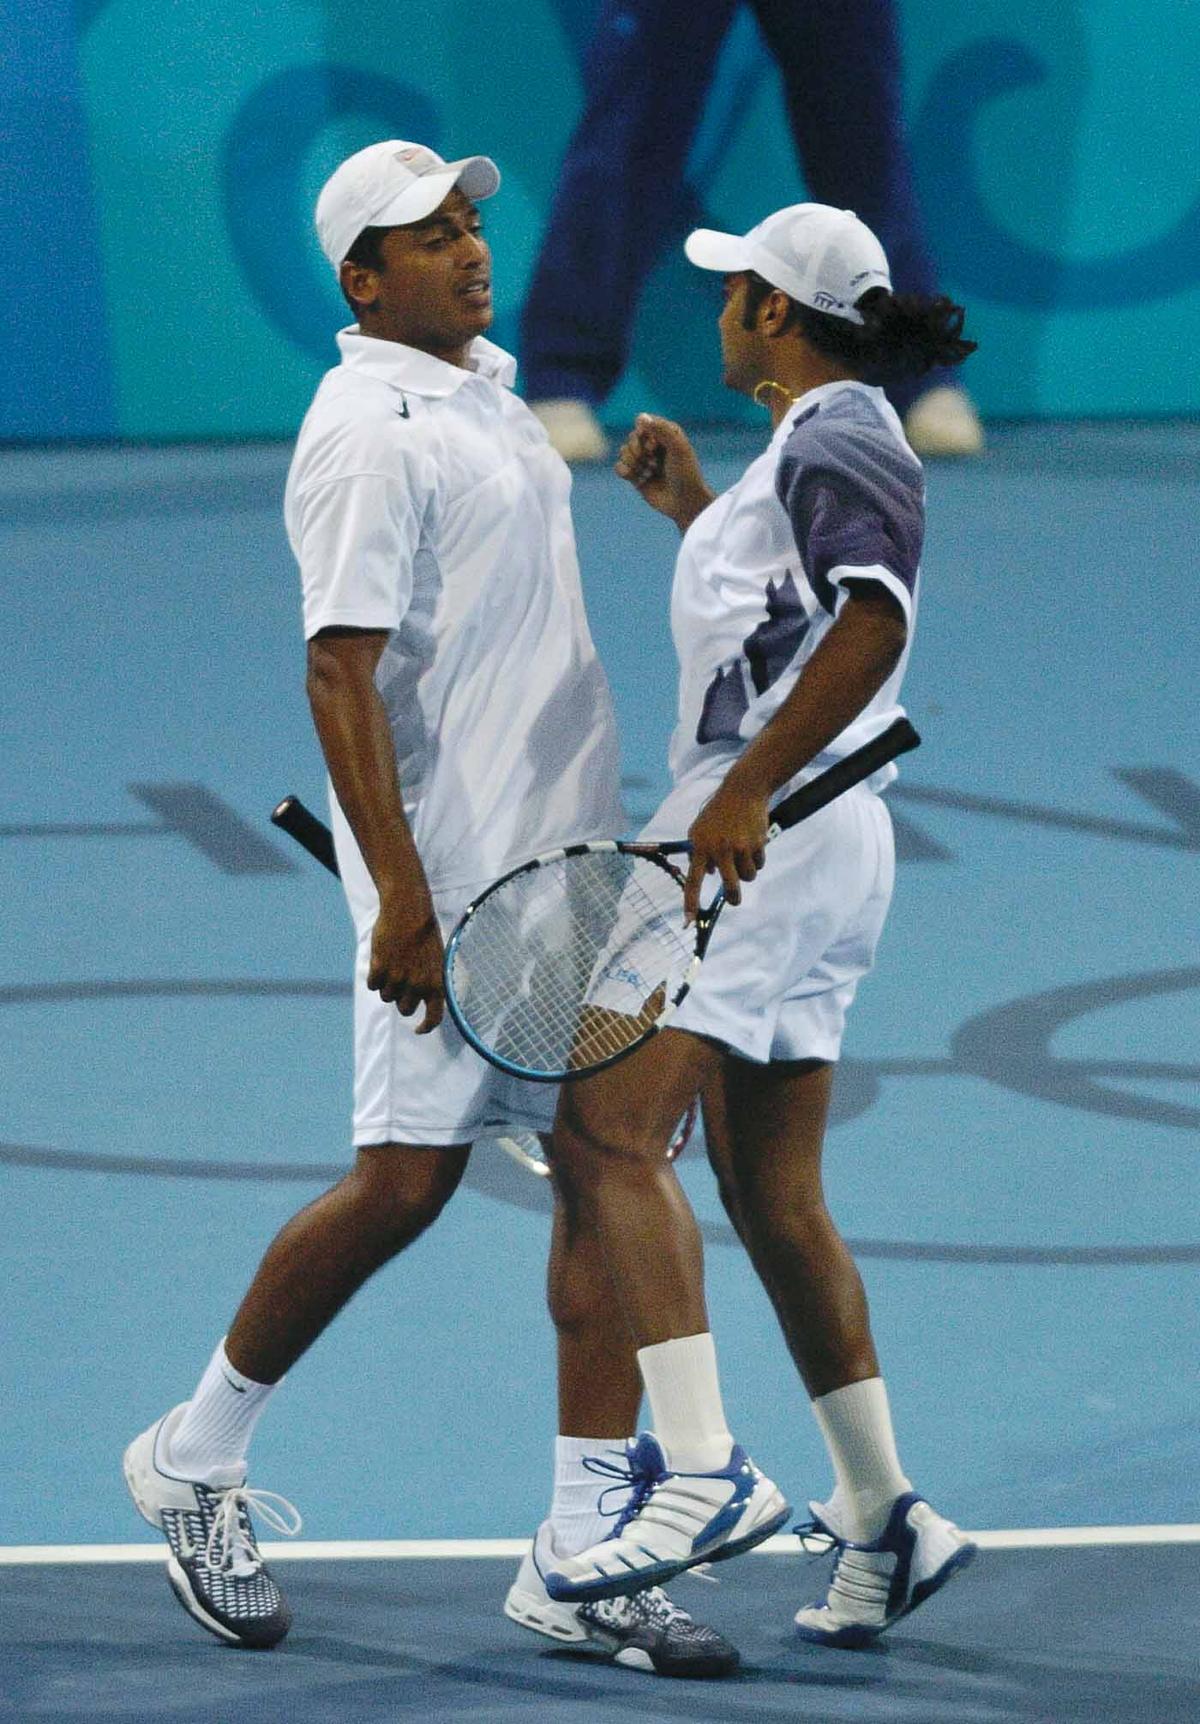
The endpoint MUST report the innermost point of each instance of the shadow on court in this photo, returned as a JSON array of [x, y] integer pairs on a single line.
[[1026, 1635]]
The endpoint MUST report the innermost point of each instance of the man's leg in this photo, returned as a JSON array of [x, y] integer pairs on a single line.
[[765, 1129], [843, 86], [187, 1472], [599, 1393], [610, 1143], [315, 1264], [609, 1149], [323, 1255], [619, 196], [599, 1386]]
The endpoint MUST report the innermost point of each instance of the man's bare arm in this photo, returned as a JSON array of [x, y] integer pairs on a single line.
[[352, 726]]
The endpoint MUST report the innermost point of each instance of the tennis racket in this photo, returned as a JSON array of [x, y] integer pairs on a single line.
[[525, 1147], [575, 959]]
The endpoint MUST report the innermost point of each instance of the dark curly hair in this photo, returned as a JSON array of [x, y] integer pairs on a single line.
[[901, 335]]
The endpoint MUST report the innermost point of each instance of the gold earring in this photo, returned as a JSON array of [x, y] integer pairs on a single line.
[[769, 383]]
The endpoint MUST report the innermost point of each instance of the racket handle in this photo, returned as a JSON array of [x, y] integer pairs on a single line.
[[898, 738], [292, 817]]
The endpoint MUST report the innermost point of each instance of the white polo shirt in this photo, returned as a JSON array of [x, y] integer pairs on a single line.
[[424, 499], [837, 495]]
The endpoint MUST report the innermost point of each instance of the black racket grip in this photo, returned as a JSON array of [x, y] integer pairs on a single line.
[[292, 817], [897, 739]]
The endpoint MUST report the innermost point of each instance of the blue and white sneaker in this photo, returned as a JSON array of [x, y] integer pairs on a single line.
[[646, 1631], [215, 1568], [875, 1584], [671, 1521]]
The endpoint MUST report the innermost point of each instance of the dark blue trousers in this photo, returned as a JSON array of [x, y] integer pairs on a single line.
[[621, 199]]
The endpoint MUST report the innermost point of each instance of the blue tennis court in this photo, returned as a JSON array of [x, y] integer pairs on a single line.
[[1014, 1155]]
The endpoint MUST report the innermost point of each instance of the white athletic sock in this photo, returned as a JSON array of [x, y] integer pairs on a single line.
[[685, 1403], [214, 1434], [856, 1423], [575, 1518]]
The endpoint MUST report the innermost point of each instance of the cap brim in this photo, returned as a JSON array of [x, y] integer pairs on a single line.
[[478, 176], [708, 249]]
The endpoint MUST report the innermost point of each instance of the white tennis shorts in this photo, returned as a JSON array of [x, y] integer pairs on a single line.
[[784, 964], [424, 1090]]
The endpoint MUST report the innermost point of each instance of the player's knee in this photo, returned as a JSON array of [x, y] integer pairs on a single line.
[[585, 1144], [795, 1227], [402, 1192]]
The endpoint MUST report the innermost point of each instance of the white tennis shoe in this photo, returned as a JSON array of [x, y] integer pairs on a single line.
[[671, 1521], [215, 1568], [646, 1631], [874, 1584], [572, 427]]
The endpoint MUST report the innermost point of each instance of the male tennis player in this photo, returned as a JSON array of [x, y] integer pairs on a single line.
[[466, 724], [793, 605]]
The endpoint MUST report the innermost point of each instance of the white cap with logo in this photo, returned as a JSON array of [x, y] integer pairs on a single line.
[[823, 257], [390, 185]]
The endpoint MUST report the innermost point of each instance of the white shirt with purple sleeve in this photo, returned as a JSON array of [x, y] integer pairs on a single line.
[[837, 496]]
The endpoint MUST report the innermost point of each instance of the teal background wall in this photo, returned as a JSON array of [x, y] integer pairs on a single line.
[[163, 159]]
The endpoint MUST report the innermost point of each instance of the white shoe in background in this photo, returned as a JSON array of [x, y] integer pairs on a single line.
[[943, 421], [573, 428]]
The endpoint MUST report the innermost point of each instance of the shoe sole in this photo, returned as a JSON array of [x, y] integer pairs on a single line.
[[687, 1669], [545, 1618], [853, 1639], [658, 1574], [177, 1580]]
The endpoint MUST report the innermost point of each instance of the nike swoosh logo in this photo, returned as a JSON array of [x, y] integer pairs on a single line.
[[402, 410], [236, 1387]]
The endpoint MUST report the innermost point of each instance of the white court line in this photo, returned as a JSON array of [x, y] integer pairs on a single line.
[[414, 1549]]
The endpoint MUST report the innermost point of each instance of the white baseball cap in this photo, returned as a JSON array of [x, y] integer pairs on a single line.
[[825, 258], [390, 185]]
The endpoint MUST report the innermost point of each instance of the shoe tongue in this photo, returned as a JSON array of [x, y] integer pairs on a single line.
[[645, 1455], [823, 1519], [225, 1478]]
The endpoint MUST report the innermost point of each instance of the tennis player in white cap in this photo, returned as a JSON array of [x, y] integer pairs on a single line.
[[466, 724], [792, 611]]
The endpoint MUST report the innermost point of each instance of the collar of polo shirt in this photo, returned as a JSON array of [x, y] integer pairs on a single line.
[[423, 373]]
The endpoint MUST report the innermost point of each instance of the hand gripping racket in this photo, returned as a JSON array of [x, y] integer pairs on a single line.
[[571, 961], [525, 1147]]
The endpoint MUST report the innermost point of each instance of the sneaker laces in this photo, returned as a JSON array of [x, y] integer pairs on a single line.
[[655, 1607], [816, 1539], [231, 1544], [649, 1608], [634, 1482]]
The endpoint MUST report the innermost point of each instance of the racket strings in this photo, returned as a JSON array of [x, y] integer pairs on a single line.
[[569, 963]]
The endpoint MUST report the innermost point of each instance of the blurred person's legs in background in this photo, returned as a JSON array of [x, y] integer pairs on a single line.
[[621, 193]]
